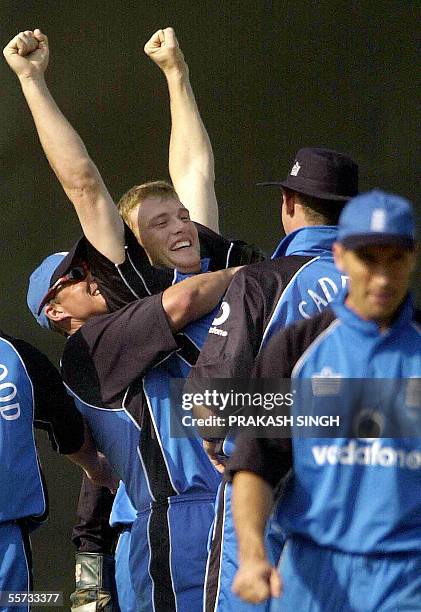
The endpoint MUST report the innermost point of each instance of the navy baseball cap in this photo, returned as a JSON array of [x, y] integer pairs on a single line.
[[45, 275], [377, 218], [322, 173]]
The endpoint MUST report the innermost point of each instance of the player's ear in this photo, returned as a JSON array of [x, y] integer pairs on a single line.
[[288, 201], [55, 312], [338, 255]]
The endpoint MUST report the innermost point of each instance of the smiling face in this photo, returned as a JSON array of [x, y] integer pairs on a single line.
[[163, 227], [379, 278]]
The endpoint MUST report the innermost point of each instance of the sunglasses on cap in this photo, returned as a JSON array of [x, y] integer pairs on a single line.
[[74, 275]]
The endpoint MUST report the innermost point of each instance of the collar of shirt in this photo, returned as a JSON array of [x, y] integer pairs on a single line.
[[311, 240], [204, 267], [403, 317]]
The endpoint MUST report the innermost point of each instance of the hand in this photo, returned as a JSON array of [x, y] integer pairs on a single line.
[[100, 473], [163, 49], [215, 459], [27, 54], [256, 581]]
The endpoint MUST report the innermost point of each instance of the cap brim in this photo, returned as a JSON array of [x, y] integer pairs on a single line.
[[310, 192], [77, 250], [359, 241]]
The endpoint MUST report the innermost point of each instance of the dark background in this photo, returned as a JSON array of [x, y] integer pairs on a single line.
[[269, 77]]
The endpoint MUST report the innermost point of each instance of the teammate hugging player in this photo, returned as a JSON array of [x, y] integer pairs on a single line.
[[169, 483]]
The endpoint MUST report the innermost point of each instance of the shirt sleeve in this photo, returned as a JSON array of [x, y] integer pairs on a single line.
[[54, 410], [269, 458], [111, 351], [223, 252], [124, 283], [234, 337]]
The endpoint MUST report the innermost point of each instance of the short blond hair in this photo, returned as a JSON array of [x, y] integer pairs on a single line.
[[134, 196]]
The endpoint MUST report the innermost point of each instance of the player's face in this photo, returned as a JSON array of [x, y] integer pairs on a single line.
[[81, 300], [168, 236], [379, 278]]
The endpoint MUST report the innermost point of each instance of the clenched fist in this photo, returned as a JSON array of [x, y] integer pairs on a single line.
[[27, 54], [256, 581], [163, 49]]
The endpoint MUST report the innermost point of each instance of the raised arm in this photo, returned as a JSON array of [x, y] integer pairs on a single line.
[[191, 162], [27, 55]]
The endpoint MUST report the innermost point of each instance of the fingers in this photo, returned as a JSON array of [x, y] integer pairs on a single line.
[[113, 485], [253, 590], [170, 38], [275, 583], [25, 43], [220, 467], [215, 458], [256, 580], [161, 39], [27, 54], [209, 446], [41, 38], [154, 42], [22, 44]]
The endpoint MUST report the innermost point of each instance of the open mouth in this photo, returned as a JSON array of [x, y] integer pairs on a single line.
[[182, 244]]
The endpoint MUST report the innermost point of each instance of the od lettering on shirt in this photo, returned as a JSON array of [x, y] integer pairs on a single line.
[[8, 391]]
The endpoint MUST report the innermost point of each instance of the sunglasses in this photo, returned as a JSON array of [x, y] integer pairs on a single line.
[[74, 275]]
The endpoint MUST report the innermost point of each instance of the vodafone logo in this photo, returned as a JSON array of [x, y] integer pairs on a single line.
[[372, 454], [219, 320], [225, 313]]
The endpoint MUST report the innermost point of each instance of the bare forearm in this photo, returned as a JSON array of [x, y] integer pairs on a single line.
[[76, 171], [87, 456], [93, 463], [196, 296], [252, 501], [62, 145], [189, 144], [191, 161], [27, 55]]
